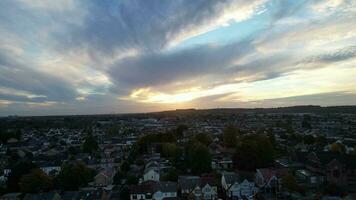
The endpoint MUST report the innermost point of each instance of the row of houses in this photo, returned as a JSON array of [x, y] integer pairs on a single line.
[[229, 185]]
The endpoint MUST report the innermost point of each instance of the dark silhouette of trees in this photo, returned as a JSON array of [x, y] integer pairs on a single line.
[[74, 175], [230, 135], [36, 181], [90, 144], [203, 138], [306, 122], [253, 151], [5, 135], [309, 139], [17, 171], [198, 158]]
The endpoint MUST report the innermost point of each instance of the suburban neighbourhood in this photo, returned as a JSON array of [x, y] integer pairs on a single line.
[[286, 153]]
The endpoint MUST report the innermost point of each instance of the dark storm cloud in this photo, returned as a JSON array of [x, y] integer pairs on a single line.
[[163, 68]]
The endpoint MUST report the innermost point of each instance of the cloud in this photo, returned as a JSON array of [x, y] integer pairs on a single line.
[[70, 55], [166, 68], [336, 56], [16, 76], [115, 27]]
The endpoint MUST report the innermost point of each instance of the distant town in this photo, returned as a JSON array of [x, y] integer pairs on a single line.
[[301, 152]]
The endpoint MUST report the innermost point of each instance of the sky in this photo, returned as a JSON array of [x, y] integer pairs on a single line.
[[122, 56]]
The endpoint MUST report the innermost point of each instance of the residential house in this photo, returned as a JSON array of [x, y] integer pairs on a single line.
[[309, 178], [337, 168], [198, 187], [268, 180], [142, 191], [236, 187], [165, 190], [152, 171]]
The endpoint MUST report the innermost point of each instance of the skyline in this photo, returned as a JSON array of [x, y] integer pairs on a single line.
[[97, 57]]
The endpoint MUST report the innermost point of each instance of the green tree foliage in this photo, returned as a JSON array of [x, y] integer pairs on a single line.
[[198, 158], [337, 147], [17, 171], [321, 140], [203, 138], [5, 135], [144, 143], [90, 144], [112, 131], [230, 135], [125, 193], [290, 184], [294, 138], [253, 151], [180, 130], [118, 177], [74, 175], [36, 181], [353, 152], [171, 150], [306, 122], [172, 175], [272, 138], [132, 179], [125, 166], [309, 139]]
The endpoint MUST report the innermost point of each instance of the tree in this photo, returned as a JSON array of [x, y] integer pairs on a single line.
[[125, 166], [112, 131], [309, 139], [74, 175], [17, 171], [272, 138], [353, 152], [230, 134], [203, 138], [132, 179], [180, 130], [290, 184], [337, 147], [125, 193], [306, 122], [253, 151], [172, 175], [170, 150], [321, 140], [10, 133], [118, 177], [90, 144], [199, 158], [144, 143], [36, 181]]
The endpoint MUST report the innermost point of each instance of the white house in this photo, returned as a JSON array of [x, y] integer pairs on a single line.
[[199, 187], [267, 179], [209, 191], [151, 174], [235, 190]]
